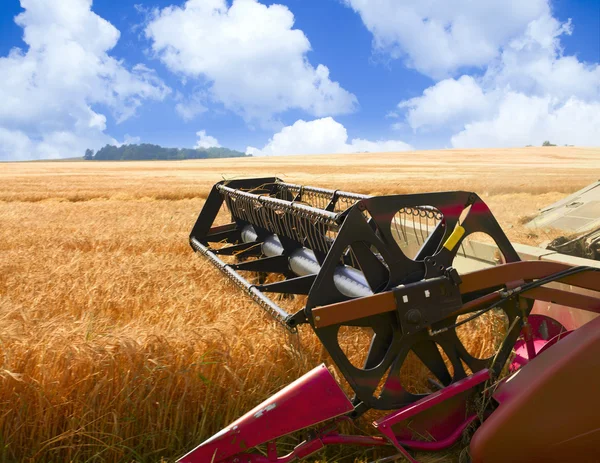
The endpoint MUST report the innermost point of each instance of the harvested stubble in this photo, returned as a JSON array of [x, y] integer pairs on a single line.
[[119, 344]]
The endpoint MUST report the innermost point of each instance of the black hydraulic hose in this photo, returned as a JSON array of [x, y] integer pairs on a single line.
[[506, 295]]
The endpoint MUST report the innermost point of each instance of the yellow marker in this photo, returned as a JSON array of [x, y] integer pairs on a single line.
[[454, 238]]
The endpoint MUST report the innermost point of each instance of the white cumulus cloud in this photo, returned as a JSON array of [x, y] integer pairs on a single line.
[[50, 91], [531, 93], [448, 102], [521, 120], [438, 37], [248, 56], [206, 141], [321, 136]]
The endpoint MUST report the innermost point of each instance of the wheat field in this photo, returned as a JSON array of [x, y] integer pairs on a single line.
[[118, 344]]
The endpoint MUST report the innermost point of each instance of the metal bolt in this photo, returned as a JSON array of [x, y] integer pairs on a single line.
[[413, 316]]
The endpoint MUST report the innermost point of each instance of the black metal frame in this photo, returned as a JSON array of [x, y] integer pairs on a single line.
[[428, 281]]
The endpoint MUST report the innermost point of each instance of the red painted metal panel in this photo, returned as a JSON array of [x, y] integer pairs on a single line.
[[311, 399], [433, 399], [548, 409]]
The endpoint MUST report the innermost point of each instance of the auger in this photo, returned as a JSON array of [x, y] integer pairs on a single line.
[[388, 265]]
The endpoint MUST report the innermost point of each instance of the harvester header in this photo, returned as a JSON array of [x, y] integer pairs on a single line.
[[388, 265]]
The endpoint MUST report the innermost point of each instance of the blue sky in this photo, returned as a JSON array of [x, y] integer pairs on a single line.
[[252, 75]]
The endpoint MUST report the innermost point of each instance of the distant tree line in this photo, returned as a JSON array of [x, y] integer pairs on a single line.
[[146, 151], [546, 143]]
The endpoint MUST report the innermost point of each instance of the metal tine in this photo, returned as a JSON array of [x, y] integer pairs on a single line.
[[323, 235], [273, 218], [421, 220], [314, 239], [278, 219], [324, 191], [397, 221], [271, 202], [307, 231], [287, 224], [404, 217], [308, 224], [307, 221]]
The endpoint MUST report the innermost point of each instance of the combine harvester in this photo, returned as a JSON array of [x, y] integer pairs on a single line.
[[403, 269], [577, 215]]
